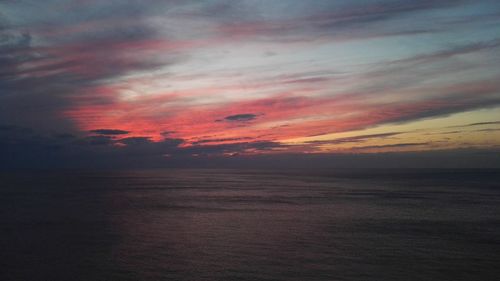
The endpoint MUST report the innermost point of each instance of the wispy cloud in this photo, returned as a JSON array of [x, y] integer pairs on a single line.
[[396, 145], [215, 77], [484, 123], [110, 132], [241, 117], [354, 139]]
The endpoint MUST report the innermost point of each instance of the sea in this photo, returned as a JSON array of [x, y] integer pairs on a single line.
[[209, 224]]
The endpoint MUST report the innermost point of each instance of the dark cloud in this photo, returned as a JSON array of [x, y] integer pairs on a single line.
[[325, 162], [453, 51], [204, 141], [397, 145], [232, 148], [459, 98], [64, 136], [109, 132], [444, 133], [487, 130], [413, 72], [484, 123], [241, 117], [135, 140], [27, 149], [334, 21], [84, 47], [54, 58], [355, 139], [167, 133], [98, 140], [476, 124], [14, 129]]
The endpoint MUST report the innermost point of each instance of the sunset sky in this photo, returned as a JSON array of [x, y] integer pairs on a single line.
[[85, 81]]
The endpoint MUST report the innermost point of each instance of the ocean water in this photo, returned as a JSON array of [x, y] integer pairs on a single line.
[[250, 225]]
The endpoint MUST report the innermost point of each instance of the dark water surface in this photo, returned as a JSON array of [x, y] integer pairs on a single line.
[[250, 225]]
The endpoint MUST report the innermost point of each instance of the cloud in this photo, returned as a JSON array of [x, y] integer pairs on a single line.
[[234, 148], [444, 133], [28, 149], [241, 117], [98, 140], [484, 123], [163, 69], [167, 133], [205, 141], [62, 72], [488, 130], [14, 129], [453, 51], [397, 145], [476, 124], [64, 136], [354, 139], [135, 140], [110, 132], [333, 21]]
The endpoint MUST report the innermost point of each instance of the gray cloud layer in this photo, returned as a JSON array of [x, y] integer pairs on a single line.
[[53, 59]]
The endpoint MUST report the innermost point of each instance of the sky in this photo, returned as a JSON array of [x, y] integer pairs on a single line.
[[87, 83]]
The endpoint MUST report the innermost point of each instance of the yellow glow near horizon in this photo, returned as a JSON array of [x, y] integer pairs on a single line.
[[453, 131]]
